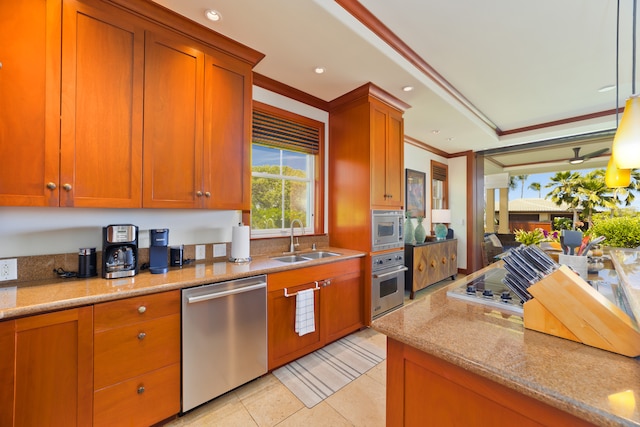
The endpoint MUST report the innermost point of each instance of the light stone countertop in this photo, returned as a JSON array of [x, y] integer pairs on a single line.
[[41, 296], [581, 380]]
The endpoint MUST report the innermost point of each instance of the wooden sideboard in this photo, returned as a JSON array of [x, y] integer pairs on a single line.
[[429, 263]]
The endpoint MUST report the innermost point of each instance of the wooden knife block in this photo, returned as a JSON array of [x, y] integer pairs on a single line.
[[564, 305]]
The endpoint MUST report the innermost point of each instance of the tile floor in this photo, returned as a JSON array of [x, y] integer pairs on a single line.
[[267, 402]]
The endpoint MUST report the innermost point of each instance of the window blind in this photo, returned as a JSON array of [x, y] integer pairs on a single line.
[[439, 173], [286, 134]]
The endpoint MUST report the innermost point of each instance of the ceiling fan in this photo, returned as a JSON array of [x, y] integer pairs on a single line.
[[577, 158]]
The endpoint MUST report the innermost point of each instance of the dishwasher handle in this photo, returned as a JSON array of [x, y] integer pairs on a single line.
[[214, 295]]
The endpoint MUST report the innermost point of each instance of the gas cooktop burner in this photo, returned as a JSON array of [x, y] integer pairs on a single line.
[[487, 289]]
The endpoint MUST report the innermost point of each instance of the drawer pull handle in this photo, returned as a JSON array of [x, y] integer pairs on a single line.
[[444, 260], [141, 336], [140, 389], [142, 309]]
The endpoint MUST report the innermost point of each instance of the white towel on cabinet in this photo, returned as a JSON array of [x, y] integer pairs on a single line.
[[305, 312]]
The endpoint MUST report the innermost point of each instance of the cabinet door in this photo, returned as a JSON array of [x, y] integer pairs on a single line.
[[342, 305], [395, 160], [379, 130], [285, 344], [101, 139], [227, 119], [30, 102], [387, 161], [53, 369], [173, 111]]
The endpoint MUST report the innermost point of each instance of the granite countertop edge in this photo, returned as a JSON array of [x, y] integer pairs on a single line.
[[76, 292]]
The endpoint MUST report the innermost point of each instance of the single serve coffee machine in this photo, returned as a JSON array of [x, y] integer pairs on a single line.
[[119, 251], [158, 251]]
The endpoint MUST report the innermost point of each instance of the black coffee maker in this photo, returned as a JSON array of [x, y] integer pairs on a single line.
[[119, 251], [159, 251]]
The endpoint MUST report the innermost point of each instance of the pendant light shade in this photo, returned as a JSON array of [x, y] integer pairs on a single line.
[[614, 177], [626, 142]]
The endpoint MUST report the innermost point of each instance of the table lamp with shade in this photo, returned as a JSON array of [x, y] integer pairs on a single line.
[[440, 217]]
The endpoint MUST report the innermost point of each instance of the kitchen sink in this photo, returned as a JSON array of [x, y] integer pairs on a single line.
[[318, 254], [290, 258], [303, 257]]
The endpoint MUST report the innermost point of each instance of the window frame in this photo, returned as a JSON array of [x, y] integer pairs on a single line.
[[318, 181]]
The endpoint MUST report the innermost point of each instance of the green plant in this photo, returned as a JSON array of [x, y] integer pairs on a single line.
[[532, 237], [620, 232], [562, 223]]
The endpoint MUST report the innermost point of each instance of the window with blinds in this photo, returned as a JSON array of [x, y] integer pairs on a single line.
[[286, 154]]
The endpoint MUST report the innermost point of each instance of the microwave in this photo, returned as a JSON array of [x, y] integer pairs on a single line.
[[387, 230]]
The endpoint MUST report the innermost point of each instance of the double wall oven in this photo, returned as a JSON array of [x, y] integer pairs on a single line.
[[387, 268]]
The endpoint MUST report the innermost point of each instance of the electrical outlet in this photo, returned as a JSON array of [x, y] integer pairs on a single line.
[[8, 269], [219, 250], [201, 252]]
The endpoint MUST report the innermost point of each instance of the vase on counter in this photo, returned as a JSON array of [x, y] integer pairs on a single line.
[[420, 233], [409, 238]]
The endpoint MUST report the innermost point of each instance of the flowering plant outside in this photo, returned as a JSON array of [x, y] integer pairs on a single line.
[[553, 236], [532, 237]]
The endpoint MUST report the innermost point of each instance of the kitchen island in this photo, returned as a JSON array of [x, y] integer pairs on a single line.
[[453, 363]]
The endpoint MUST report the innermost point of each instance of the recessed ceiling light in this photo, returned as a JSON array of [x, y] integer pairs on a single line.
[[450, 139], [407, 88], [435, 131], [606, 88], [319, 70], [212, 15]]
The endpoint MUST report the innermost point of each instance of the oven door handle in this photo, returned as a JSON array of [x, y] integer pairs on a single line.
[[378, 276]]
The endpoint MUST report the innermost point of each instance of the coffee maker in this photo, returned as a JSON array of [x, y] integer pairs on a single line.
[[158, 251], [119, 251]]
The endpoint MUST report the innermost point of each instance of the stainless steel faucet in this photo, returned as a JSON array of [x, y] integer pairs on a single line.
[[292, 247]]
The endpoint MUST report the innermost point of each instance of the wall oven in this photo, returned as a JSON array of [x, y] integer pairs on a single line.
[[386, 230], [387, 282]]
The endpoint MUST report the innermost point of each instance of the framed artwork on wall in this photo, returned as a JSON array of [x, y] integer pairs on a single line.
[[415, 193]]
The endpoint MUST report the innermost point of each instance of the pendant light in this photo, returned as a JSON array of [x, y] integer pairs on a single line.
[[626, 142], [615, 177]]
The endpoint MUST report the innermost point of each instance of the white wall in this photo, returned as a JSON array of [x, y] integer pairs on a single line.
[[418, 159], [26, 231]]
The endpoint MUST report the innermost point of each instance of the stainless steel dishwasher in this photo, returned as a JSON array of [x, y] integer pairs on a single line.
[[224, 338]]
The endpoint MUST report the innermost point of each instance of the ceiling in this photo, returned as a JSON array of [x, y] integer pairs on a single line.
[[486, 75]]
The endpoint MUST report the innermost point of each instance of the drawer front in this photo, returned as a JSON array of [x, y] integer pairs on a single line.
[[126, 403], [133, 310], [133, 350]]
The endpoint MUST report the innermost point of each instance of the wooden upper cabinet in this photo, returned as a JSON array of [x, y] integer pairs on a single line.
[[173, 110], [227, 118], [197, 126], [387, 157], [30, 102], [101, 138]]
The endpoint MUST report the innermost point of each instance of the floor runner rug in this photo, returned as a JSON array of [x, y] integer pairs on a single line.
[[318, 375]]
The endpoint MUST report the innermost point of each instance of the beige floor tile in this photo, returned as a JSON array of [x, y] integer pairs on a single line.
[[226, 410], [321, 415], [379, 373], [268, 401], [362, 402]]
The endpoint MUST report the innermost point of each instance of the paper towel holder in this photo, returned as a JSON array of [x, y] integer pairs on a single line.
[[237, 234]]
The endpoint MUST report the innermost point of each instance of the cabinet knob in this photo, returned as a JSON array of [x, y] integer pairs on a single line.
[[453, 257], [140, 389], [141, 336], [433, 263], [142, 309], [207, 194], [444, 260], [51, 185], [67, 187], [0, 65], [327, 282], [421, 267], [199, 193]]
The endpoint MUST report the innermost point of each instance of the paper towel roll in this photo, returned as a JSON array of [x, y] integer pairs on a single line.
[[240, 243]]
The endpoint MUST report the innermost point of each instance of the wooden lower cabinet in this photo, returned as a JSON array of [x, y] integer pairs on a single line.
[[424, 390], [46, 369], [339, 308], [429, 263], [137, 360]]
